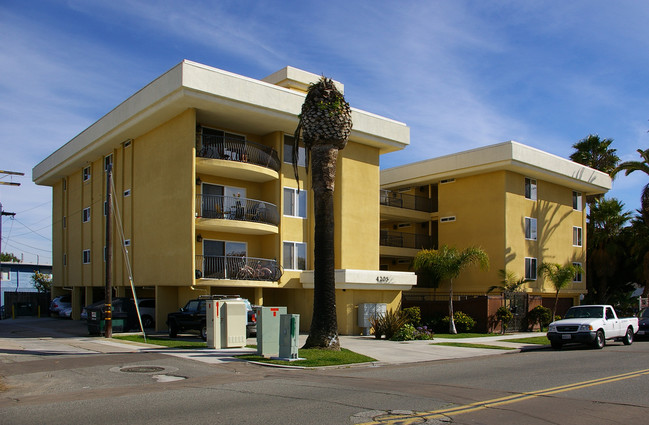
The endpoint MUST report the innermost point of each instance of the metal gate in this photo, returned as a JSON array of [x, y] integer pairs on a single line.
[[517, 303]]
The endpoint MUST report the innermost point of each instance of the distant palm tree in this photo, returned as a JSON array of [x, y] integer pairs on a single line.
[[629, 167], [324, 124], [560, 276], [595, 153], [447, 263]]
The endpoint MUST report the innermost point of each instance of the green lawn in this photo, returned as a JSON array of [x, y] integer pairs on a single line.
[[541, 340], [468, 345], [166, 342], [463, 335], [315, 358]]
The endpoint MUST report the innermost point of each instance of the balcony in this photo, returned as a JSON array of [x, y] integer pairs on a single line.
[[237, 158], [404, 200], [235, 214], [406, 240], [237, 268]]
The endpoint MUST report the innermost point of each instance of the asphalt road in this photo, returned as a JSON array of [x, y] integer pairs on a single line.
[[63, 380]]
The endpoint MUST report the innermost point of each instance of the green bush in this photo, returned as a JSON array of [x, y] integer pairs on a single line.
[[463, 322], [503, 315], [412, 315], [541, 315], [405, 333]]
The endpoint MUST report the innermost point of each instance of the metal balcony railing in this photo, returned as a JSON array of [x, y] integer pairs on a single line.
[[404, 200], [406, 240], [236, 208], [237, 268], [218, 147]]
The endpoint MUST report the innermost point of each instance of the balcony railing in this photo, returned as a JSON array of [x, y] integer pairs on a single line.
[[404, 200], [237, 268], [406, 240], [236, 208], [218, 147]]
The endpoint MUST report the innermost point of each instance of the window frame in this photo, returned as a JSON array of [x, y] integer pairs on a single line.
[[533, 229], [577, 201], [577, 236], [532, 184], [86, 174], [578, 276], [296, 197], [532, 262], [85, 256], [85, 215], [295, 259], [301, 159]]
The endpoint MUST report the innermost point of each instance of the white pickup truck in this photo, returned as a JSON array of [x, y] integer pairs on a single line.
[[593, 325]]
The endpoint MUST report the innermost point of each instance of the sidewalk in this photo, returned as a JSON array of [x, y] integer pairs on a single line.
[[52, 336]]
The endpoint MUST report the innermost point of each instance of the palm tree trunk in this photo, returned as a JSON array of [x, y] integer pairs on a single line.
[[451, 322], [324, 325], [556, 301]]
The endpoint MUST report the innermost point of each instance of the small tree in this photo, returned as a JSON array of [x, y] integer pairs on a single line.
[[560, 276], [448, 263], [41, 282], [541, 315], [504, 316], [8, 257]]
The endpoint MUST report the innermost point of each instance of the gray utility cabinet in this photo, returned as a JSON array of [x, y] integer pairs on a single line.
[[268, 330]]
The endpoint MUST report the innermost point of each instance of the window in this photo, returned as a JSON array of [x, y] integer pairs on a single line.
[[127, 242], [105, 208], [86, 215], [65, 184], [530, 268], [295, 255], [86, 256], [86, 174], [530, 228], [576, 236], [294, 203], [65, 259], [288, 152], [445, 181], [576, 201], [577, 277], [447, 219], [127, 143], [530, 189], [6, 274], [108, 160], [127, 192], [65, 222]]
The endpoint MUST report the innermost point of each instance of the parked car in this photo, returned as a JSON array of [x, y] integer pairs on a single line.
[[643, 323], [59, 303], [146, 306], [593, 325], [192, 317], [65, 312]]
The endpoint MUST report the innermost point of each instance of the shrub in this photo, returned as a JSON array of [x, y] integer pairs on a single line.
[[463, 322], [412, 315], [423, 332], [503, 315], [541, 315], [405, 333], [387, 324]]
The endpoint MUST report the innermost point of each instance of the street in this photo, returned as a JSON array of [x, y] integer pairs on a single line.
[[117, 385]]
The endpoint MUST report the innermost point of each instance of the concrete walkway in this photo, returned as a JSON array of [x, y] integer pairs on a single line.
[[50, 336]]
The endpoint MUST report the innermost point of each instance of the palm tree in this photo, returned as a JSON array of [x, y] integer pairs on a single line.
[[509, 283], [560, 276], [631, 166], [448, 263], [324, 124], [595, 153]]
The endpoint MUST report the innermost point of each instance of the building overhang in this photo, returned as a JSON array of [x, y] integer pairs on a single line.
[[508, 156], [378, 280], [246, 104]]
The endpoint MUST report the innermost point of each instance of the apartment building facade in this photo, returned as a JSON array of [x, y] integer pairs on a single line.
[[521, 205], [206, 201]]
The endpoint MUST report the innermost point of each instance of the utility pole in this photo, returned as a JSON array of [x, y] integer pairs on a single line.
[[108, 314], [2, 214]]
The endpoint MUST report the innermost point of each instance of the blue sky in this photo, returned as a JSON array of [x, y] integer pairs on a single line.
[[461, 74]]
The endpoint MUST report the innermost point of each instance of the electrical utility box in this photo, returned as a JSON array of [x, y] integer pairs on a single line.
[[213, 323], [268, 330], [368, 310], [233, 323], [289, 336]]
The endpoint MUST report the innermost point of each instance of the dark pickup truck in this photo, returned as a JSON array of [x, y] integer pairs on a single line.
[[192, 317]]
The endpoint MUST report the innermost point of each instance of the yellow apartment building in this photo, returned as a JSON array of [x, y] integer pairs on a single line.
[[206, 199], [521, 205]]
